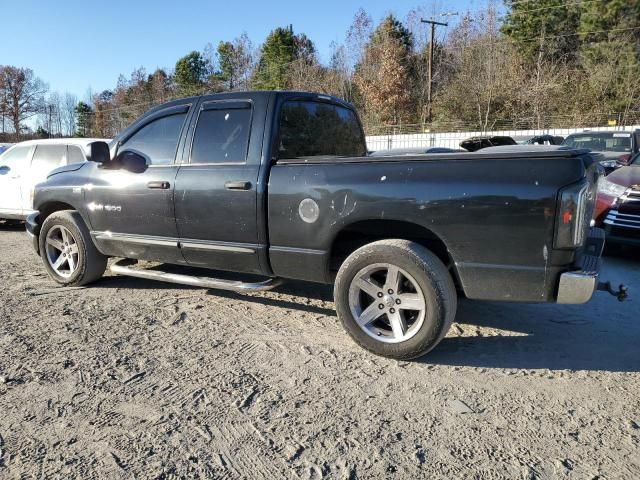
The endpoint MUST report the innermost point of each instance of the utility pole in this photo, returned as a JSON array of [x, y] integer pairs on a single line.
[[433, 24]]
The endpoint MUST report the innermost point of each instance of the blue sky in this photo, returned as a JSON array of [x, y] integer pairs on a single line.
[[75, 45]]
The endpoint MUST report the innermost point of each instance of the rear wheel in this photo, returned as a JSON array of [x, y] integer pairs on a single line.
[[395, 298], [68, 252]]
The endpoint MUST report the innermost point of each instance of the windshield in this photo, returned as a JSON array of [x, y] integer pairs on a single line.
[[636, 160], [600, 141]]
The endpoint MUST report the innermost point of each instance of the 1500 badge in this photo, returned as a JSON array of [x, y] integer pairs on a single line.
[[96, 207]]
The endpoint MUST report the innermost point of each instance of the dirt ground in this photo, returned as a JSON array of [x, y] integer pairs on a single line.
[[136, 379]]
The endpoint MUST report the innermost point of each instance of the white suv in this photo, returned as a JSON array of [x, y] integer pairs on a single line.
[[26, 164]]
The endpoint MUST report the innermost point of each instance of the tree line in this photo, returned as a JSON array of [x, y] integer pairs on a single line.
[[521, 64]]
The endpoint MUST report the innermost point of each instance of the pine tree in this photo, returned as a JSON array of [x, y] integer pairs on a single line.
[[190, 74], [549, 26], [84, 120], [281, 48]]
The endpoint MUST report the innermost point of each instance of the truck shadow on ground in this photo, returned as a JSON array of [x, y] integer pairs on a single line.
[[601, 335], [11, 226], [303, 291], [280, 297], [493, 335]]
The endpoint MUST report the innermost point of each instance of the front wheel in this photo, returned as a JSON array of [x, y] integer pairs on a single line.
[[395, 298], [67, 250]]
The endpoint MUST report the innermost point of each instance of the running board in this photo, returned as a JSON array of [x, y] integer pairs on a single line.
[[204, 282]]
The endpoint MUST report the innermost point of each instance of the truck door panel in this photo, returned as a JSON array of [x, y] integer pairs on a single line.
[[140, 205], [215, 196]]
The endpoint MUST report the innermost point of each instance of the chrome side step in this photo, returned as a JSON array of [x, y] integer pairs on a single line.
[[204, 282]]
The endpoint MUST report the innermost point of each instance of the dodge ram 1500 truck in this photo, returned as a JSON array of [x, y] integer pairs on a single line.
[[279, 184]]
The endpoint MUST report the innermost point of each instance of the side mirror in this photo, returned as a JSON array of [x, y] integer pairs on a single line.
[[99, 152], [131, 161], [625, 160], [4, 170]]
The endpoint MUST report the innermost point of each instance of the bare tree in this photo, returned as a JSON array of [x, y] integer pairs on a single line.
[[358, 36], [235, 61], [68, 113], [23, 94], [50, 118]]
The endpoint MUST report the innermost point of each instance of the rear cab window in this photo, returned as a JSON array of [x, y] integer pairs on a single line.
[[308, 128], [74, 154]]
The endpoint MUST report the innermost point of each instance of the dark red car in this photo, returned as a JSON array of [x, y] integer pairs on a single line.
[[618, 204]]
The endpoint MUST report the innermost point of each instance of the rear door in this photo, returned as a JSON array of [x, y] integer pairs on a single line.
[[215, 197], [131, 213]]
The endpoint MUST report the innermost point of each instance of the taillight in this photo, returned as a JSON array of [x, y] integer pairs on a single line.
[[574, 215], [624, 159]]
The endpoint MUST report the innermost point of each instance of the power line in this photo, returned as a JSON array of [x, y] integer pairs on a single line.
[[537, 39], [553, 7]]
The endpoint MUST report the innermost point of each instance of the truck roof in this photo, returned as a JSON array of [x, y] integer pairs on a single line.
[[249, 93]]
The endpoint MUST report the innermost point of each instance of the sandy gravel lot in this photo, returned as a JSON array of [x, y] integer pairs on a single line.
[[135, 379]]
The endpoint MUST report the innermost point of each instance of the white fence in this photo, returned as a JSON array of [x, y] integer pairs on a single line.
[[453, 139]]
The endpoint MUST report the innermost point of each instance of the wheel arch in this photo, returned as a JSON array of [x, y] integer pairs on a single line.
[[49, 207], [362, 232], [46, 209]]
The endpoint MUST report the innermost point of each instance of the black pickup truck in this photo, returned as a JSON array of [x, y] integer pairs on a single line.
[[279, 184]]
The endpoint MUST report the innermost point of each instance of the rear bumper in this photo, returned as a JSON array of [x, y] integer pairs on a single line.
[[577, 286], [33, 230]]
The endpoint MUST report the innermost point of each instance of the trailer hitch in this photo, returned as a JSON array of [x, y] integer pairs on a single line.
[[621, 294]]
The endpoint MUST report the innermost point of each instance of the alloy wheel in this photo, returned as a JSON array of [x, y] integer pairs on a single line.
[[62, 251], [387, 303]]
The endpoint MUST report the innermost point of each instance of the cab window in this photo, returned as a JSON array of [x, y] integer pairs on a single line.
[[316, 129], [16, 158], [157, 140], [74, 154], [48, 157], [222, 135]]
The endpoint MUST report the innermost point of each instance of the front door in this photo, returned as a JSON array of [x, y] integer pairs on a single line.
[[215, 197], [131, 213], [47, 157], [14, 167]]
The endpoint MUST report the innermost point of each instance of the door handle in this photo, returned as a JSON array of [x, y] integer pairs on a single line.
[[159, 185], [237, 185]]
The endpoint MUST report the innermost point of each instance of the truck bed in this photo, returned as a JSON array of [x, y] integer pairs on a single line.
[[466, 203]]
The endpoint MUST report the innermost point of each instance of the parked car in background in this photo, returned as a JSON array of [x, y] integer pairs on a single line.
[[413, 151], [473, 144], [26, 164], [4, 146], [545, 140], [616, 148], [618, 204]]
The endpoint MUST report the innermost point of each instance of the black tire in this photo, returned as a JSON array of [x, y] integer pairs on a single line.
[[91, 264], [430, 275]]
